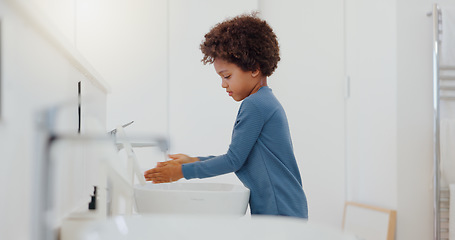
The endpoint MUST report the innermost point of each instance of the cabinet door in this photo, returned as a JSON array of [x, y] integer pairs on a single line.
[[371, 104]]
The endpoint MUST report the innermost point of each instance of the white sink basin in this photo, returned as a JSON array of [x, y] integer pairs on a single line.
[[171, 227], [192, 198]]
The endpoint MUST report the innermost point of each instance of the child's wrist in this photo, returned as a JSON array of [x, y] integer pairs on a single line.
[[180, 172]]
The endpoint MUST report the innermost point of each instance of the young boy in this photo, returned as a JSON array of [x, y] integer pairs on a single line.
[[244, 51]]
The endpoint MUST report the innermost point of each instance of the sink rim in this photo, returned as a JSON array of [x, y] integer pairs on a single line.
[[236, 188]]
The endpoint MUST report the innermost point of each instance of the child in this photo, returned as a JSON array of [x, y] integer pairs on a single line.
[[244, 51]]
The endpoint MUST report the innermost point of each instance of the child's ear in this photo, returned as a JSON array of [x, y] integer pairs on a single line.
[[255, 73]]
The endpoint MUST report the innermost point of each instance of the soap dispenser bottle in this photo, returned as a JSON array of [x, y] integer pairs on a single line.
[[92, 203]]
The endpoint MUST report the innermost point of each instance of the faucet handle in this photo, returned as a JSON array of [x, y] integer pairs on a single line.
[[114, 131]]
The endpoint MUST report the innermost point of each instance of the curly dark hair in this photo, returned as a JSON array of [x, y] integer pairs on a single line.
[[245, 40]]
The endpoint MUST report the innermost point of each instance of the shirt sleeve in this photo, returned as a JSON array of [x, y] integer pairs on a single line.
[[246, 131], [205, 158]]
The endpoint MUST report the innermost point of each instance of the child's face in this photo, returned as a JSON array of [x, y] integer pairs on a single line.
[[239, 84]]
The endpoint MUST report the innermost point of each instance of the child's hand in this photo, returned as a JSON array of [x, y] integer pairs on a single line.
[[170, 172], [178, 158]]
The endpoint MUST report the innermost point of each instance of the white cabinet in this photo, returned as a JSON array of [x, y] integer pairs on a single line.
[[371, 116]]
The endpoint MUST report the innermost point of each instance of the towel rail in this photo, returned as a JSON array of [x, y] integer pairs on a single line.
[[443, 76], [437, 23]]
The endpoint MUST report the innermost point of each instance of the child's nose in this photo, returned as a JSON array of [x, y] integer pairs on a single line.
[[224, 84]]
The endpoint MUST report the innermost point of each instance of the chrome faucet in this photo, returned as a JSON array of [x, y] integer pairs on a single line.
[[159, 142]]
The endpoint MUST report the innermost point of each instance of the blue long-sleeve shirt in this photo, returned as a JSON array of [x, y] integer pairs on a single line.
[[262, 156]]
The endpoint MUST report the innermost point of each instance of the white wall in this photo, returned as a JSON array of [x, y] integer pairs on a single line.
[[61, 14], [414, 121]]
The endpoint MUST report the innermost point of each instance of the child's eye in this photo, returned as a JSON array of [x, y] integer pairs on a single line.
[[227, 77]]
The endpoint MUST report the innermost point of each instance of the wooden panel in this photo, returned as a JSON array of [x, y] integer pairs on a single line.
[[369, 222]]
